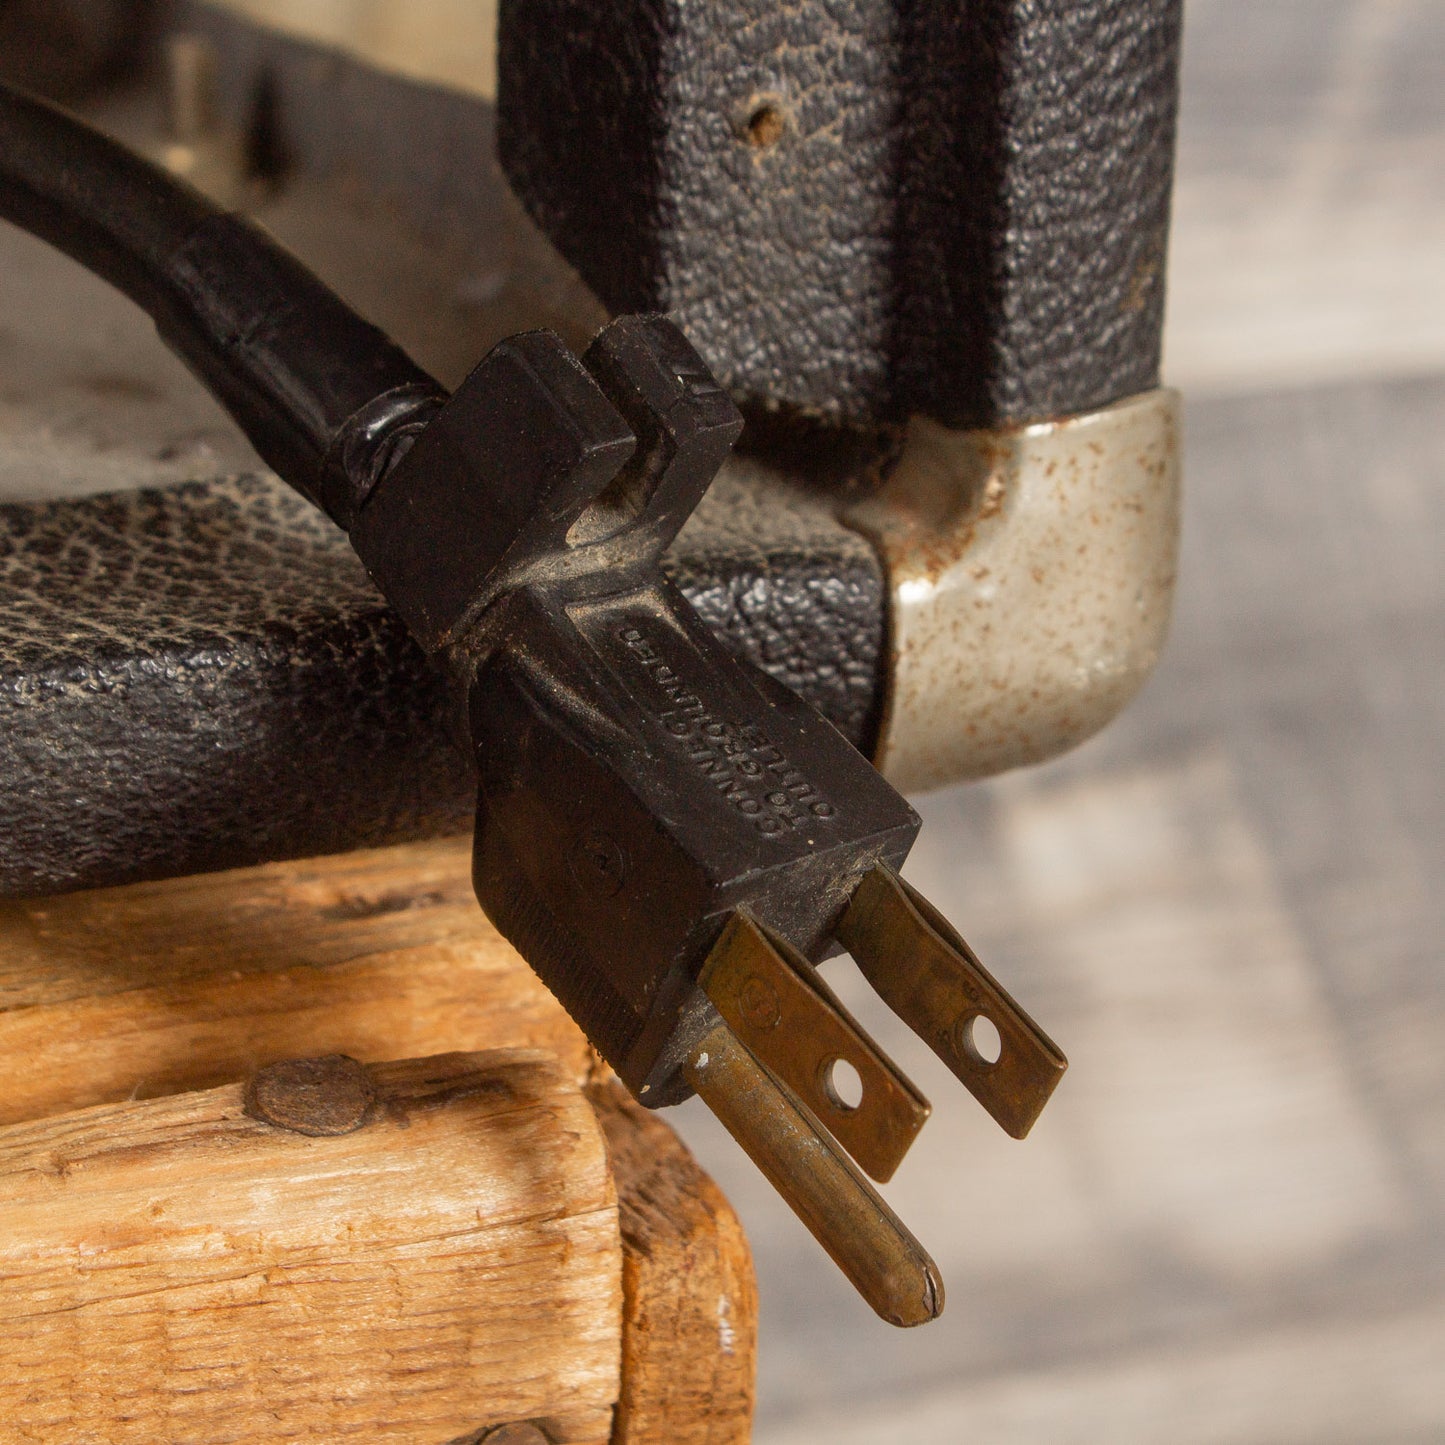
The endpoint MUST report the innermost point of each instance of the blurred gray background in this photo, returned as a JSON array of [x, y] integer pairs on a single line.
[[1229, 1226]]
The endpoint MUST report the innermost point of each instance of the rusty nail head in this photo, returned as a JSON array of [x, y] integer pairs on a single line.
[[321, 1097]]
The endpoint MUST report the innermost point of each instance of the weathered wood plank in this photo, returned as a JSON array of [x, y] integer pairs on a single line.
[[688, 1356], [194, 982], [172, 1269], [128, 993]]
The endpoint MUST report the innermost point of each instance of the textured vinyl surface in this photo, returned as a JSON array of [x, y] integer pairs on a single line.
[[198, 674], [863, 209], [202, 676]]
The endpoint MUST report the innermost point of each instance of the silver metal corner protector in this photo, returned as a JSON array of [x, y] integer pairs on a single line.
[[1031, 572]]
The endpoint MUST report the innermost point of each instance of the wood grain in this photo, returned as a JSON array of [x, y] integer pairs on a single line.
[[174, 1270], [113, 997], [688, 1355], [140, 991]]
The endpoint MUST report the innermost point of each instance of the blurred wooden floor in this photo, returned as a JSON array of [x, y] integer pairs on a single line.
[[1229, 1226]]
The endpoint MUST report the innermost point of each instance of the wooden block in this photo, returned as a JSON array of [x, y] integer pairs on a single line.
[[688, 1356], [117, 996], [146, 990], [174, 1270]]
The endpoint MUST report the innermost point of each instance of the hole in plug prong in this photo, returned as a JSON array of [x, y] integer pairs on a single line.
[[979, 1041], [782, 1012], [817, 1179], [843, 1085], [934, 982]]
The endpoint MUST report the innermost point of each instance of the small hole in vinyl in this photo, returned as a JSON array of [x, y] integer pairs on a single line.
[[765, 125]]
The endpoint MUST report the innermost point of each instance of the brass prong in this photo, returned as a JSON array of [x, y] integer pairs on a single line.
[[934, 982], [791, 1022], [841, 1210]]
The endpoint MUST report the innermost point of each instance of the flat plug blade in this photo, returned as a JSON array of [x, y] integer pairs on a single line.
[[841, 1210], [933, 981], [785, 1015]]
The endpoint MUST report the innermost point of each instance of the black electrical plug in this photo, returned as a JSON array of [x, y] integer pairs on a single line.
[[670, 837], [667, 834]]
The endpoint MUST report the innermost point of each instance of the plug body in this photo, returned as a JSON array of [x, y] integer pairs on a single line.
[[669, 836], [637, 784]]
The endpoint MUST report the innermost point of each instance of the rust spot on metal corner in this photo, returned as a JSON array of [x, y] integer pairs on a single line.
[[1031, 573]]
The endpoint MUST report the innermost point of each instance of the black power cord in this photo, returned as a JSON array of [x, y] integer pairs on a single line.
[[670, 837], [323, 395]]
